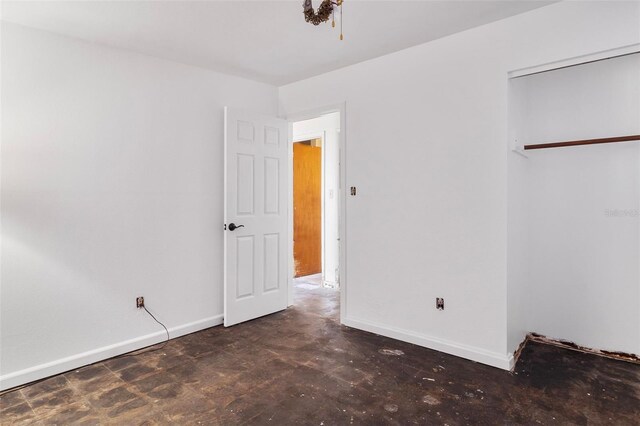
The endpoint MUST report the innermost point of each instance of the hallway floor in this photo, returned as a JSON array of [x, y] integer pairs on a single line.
[[300, 366]]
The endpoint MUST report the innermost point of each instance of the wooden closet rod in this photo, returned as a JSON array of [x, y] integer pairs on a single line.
[[583, 142]]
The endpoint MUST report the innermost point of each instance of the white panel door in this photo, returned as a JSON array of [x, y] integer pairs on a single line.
[[255, 242]]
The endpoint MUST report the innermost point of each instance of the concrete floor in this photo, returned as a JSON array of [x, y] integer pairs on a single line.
[[300, 366]]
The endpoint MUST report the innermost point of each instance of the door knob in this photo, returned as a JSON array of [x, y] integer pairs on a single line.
[[233, 226]]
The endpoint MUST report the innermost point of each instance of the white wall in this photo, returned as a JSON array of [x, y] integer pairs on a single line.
[[427, 148], [112, 178], [580, 279], [329, 127]]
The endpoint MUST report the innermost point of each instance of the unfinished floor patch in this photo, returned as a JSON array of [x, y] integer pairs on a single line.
[[428, 399], [391, 352], [392, 408]]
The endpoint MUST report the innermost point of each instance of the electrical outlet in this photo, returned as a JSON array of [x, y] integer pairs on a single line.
[[139, 302], [440, 303]]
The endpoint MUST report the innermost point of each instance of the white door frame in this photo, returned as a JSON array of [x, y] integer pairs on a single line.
[[342, 140]]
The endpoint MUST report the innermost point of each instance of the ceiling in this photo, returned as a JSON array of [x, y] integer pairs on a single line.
[[268, 41]]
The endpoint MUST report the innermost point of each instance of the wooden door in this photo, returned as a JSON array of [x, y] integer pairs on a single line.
[[307, 208], [255, 216]]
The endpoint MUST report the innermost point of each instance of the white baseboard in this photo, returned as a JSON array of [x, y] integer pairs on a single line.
[[58, 366], [494, 359], [512, 361]]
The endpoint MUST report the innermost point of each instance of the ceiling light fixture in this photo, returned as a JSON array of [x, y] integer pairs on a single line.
[[325, 11]]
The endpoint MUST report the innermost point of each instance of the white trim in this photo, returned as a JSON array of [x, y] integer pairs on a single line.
[[58, 366], [512, 361], [494, 359], [290, 260], [597, 56], [306, 115], [308, 136], [225, 255]]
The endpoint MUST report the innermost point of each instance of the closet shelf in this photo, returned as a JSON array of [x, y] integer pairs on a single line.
[[583, 142]]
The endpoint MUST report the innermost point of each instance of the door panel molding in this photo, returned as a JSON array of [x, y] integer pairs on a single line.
[[255, 249]]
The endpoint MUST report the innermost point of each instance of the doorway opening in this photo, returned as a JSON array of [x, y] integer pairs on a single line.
[[307, 208], [316, 203]]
